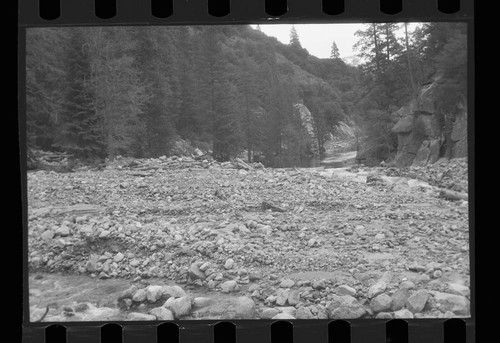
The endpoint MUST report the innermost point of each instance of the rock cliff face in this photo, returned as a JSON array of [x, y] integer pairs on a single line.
[[308, 123], [420, 131]]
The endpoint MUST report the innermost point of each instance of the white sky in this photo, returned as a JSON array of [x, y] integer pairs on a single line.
[[318, 38]]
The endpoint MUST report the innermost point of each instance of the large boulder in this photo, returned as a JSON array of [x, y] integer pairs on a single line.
[[399, 298], [416, 302], [268, 313], [154, 293], [161, 313], [457, 304], [304, 312], [232, 308], [180, 307], [172, 291], [344, 307], [380, 303]]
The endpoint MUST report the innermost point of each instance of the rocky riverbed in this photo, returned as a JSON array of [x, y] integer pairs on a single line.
[[178, 238]]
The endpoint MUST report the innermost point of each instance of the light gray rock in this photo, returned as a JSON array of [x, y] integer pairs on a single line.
[[376, 289], [180, 307], [319, 311], [91, 264], [230, 286], [319, 284], [383, 315], [228, 308], [204, 266], [135, 263], [140, 295], [200, 302], [271, 299], [344, 307], [47, 235], [137, 316], [229, 264], [118, 257], [407, 284], [403, 314], [173, 291], [416, 302], [381, 303], [399, 298], [253, 287], [287, 283], [345, 290], [457, 304], [458, 289], [129, 292], [244, 308], [379, 236], [437, 274], [283, 316], [104, 234], [294, 297], [304, 312], [154, 293], [287, 309], [162, 313], [282, 296], [63, 231], [268, 313], [195, 272]]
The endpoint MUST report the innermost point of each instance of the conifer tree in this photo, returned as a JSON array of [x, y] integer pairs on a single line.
[[294, 37], [80, 132], [45, 84], [335, 51]]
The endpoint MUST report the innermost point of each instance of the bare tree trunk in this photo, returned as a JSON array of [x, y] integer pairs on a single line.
[[375, 40], [387, 42], [410, 73]]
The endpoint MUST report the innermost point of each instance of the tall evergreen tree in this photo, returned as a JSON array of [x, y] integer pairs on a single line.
[[81, 128], [120, 94], [294, 37], [335, 51], [45, 84], [156, 63]]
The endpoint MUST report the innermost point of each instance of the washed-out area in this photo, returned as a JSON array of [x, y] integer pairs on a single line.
[[179, 238]]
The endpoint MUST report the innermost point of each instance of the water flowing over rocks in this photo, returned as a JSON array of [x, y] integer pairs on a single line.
[[189, 239]]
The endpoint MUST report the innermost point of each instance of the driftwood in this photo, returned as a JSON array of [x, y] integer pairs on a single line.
[[242, 165], [268, 206], [48, 160], [77, 210], [452, 195]]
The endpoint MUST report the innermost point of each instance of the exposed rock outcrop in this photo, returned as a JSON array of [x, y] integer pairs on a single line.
[[308, 123], [420, 131]]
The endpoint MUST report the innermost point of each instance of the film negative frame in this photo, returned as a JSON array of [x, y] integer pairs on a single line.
[[137, 12]]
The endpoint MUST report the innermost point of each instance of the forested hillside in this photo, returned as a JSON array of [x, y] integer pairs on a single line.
[[101, 92]]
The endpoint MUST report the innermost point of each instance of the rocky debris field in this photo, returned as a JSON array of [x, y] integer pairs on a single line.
[[184, 238], [447, 174]]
